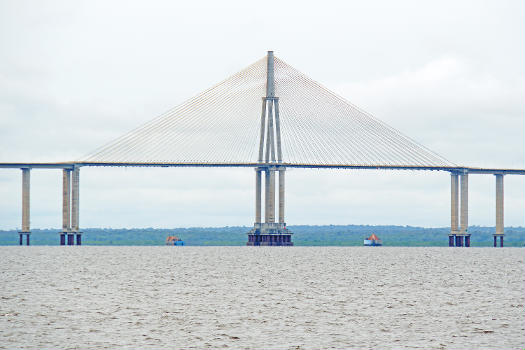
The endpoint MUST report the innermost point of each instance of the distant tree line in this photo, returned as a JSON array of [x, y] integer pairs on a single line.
[[304, 235]]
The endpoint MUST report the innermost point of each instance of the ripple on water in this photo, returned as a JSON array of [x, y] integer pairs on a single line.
[[257, 297]]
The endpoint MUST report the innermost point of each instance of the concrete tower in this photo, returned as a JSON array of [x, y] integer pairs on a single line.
[[269, 232]]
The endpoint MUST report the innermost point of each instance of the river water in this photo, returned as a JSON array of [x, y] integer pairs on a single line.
[[262, 298]]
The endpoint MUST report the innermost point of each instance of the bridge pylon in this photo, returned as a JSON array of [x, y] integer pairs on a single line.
[[270, 161]]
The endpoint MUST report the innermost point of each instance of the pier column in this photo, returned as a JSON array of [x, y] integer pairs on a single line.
[[453, 209], [66, 200], [463, 230], [499, 211], [258, 183], [281, 196], [464, 203], [271, 206], [74, 207], [26, 186], [66, 205], [459, 241]]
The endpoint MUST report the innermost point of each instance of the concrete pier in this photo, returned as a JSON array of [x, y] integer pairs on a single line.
[[66, 200], [464, 204], [258, 185], [266, 195], [459, 236], [281, 196], [70, 234], [66, 205], [271, 204], [75, 199], [499, 211], [26, 187], [454, 209], [75, 195], [269, 232], [464, 236]]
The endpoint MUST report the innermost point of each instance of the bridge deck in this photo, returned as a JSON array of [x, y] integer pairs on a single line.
[[71, 165]]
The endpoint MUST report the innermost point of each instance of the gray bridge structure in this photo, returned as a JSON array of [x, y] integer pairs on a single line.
[[269, 117]]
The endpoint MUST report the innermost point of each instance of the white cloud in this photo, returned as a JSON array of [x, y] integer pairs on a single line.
[[74, 75], [453, 107]]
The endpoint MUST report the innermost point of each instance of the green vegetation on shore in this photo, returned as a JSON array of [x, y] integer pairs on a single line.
[[327, 235]]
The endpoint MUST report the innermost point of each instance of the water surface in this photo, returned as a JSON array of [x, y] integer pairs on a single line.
[[262, 297]]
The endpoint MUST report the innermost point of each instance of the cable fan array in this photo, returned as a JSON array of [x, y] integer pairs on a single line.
[[222, 126], [319, 127]]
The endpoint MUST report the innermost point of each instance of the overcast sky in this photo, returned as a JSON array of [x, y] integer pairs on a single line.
[[77, 74]]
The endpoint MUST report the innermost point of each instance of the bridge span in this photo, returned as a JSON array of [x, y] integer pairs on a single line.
[[71, 234], [72, 165], [269, 117]]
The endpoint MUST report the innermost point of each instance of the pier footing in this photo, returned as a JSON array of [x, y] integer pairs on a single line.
[[21, 237], [270, 234], [496, 240], [459, 240], [71, 238]]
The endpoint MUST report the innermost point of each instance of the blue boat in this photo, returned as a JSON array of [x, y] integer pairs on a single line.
[[174, 240]]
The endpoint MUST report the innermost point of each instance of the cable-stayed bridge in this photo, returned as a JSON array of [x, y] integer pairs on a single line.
[[268, 116]]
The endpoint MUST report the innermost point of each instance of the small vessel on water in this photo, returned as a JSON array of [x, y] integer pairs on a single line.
[[372, 241], [174, 240]]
